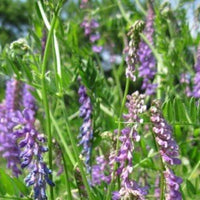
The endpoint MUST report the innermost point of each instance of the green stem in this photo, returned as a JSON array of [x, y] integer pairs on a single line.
[[108, 196], [44, 93], [140, 7], [123, 12], [67, 178], [63, 141], [80, 163]]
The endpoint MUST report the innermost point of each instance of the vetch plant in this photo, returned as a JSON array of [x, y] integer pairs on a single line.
[[103, 136], [147, 69]]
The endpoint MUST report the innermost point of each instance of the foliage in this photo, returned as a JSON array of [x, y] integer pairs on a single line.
[[55, 75]]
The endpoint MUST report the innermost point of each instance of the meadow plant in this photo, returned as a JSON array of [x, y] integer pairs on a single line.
[[99, 101]]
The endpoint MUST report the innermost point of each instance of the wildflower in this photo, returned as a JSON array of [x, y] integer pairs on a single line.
[[168, 151], [196, 88], [172, 185], [11, 117], [164, 138], [86, 131], [31, 143], [98, 171], [90, 30], [147, 68], [131, 50], [129, 135], [97, 49]]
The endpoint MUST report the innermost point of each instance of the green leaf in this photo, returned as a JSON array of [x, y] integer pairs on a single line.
[[190, 188], [21, 186], [170, 112], [193, 110], [8, 184]]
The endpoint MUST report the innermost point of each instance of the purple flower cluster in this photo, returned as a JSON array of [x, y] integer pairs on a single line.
[[129, 188], [196, 88], [31, 144], [172, 185], [86, 130], [131, 49], [13, 95], [10, 117], [90, 28], [147, 61], [98, 172], [168, 150], [20, 142], [164, 138]]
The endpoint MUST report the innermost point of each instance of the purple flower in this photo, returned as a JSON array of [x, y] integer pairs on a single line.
[[168, 150], [196, 88], [164, 138], [131, 49], [90, 30], [94, 37], [129, 188], [13, 95], [28, 99], [99, 170], [10, 118], [86, 131], [116, 195], [31, 143], [89, 26], [97, 49], [147, 61], [172, 185]]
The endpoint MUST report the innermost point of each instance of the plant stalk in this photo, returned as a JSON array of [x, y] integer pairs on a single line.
[[44, 93]]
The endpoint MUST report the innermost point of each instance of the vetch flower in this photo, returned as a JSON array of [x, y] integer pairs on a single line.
[[90, 29], [11, 117], [172, 185], [168, 151], [129, 188], [131, 50], [164, 138], [147, 61], [196, 88], [99, 170], [31, 143], [86, 130], [97, 49]]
